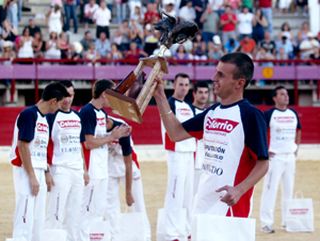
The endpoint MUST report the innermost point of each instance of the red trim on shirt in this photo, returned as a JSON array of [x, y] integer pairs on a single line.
[[135, 159], [50, 152], [86, 153], [247, 162], [169, 145], [196, 134], [17, 161]]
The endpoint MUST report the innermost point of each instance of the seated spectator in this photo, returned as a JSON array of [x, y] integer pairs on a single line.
[[52, 48], [228, 21], [199, 51], [268, 44], [33, 28], [91, 53], [115, 53], [74, 53], [282, 55], [182, 55], [247, 45], [263, 54], [63, 44], [136, 33], [103, 45], [231, 46], [151, 15], [215, 48], [89, 9], [87, 40], [38, 45], [102, 18], [303, 32], [137, 15], [54, 19], [8, 52], [150, 40], [124, 35], [25, 49], [169, 7], [286, 31], [259, 24], [134, 53], [286, 44], [209, 20], [9, 33], [188, 12], [309, 48], [245, 20]]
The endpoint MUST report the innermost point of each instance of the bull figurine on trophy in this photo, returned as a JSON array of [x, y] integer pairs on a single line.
[[132, 95]]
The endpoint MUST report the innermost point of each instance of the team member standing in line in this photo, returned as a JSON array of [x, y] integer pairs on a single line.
[[234, 134], [179, 195], [29, 158], [122, 166], [285, 134], [94, 129], [67, 168], [200, 102]]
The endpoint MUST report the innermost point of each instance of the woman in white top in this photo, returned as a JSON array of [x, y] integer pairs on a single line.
[[52, 49], [25, 45], [54, 19]]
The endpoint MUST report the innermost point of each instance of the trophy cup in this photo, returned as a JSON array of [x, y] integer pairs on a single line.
[[132, 95]]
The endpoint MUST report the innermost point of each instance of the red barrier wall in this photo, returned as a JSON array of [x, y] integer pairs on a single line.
[[149, 131]]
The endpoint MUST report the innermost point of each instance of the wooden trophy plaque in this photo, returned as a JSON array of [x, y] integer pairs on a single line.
[[124, 99]]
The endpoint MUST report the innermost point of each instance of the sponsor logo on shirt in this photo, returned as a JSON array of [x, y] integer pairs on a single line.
[[284, 119], [69, 124], [41, 127], [184, 111], [101, 121], [223, 125]]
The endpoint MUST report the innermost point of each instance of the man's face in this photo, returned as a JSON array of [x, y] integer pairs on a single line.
[[282, 97], [201, 96], [224, 85], [181, 87], [67, 102]]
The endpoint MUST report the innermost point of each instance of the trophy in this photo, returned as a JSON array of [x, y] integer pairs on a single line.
[[132, 95]]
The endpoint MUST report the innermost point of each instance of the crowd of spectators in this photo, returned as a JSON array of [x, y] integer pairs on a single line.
[[225, 26]]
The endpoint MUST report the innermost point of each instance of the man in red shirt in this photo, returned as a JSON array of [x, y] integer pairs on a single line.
[[151, 16], [228, 21], [247, 45]]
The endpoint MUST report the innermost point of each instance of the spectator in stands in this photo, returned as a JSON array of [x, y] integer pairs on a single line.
[[38, 45], [231, 46], [63, 44], [74, 53], [25, 49], [282, 55], [181, 55], [234, 4], [121, 8], [215, 49], [87, 40], [151, 15], [9, 33], [286, 31], [284, 5], [217, 6], [2, 11], [70, 10], [169, 7], [52, 48], [248, 4], [103, 45], [124, 35], [102, 17], [264, 54], [245, 20], [12, 12], [199, 51], [136, 34], [309, 48], [259, 24], [266, 8], [228, 21], [188, 12], [199, 6], [89, 9], [91, 53], [54, 19], [247, 46], [268, 44], [33, 28], [302, 6], [134, 53], [115, 54], [209, 20], [58, 2], [137, 15], [285, 43], [150, 40], [303, 32], [8, 52]]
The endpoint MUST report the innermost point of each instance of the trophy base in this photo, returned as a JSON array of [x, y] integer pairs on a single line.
[[124, 106]]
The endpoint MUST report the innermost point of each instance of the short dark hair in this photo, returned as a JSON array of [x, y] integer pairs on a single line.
[[200, 84], [100, 86], [275, 90], [66, 83], [244, 65], [54, 90], [181, 75]]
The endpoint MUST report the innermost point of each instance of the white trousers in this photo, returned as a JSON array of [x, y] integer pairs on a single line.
[[65, 200], [113, 203], [179, 193], [94, 205], [281, 169], [29, 216]]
